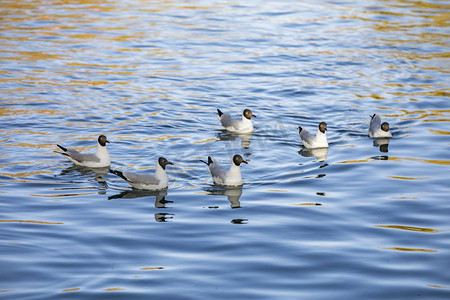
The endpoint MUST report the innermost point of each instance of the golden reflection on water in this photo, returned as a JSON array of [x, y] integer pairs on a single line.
[[26, 174], [421, 160], [71, 290], [409, 178], [411, 249], [62, 195], [439, 132], [32, 222], [114, 289], [438, 286], [152, 268], [410, 228]]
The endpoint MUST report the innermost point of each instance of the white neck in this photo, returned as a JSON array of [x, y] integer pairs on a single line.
[[321, 137], [102, 153], [161, 174], [247, 123], [234, 176]]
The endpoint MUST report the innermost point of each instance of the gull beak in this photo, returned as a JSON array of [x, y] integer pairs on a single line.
[[253, 116], [245, 162]]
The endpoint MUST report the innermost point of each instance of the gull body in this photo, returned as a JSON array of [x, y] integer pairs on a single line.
[[243, 125], [99, 159], [156, 181], [311, 141], [221, 176], [378, 129]]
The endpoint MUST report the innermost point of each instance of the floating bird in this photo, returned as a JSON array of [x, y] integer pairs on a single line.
[[311, 141], [220, 176], [99, 159], [244, 125], [156, 181], [378, 129]]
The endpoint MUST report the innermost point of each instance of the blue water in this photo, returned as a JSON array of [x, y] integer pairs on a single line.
[[359, 221]]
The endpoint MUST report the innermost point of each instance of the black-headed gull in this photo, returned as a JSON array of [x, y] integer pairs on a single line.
[[156, 181], [311, 141], [243, 125], [378, 129], [99, 159], [220, 176]]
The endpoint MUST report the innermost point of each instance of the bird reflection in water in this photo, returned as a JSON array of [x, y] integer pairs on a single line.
[[319, 153], [160, 200], [233, 137], [98, 172], [383, 143], [233, 194]]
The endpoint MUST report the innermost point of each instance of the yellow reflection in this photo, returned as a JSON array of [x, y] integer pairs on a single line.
[[409, 178], [71, 290], [165, 137], [277, 191], [411, 249], [152, 268], [355, 161], [441, 132], [411, 228], [25, 174], [114, 289], [308, 204], [438, 286], [62, 195], [422, 160], [28, 221], [430, 161], [206, 141]]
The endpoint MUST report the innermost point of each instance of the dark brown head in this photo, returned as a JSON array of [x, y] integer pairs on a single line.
[[164, 162], [322, 127], [248, 114], [385, 126], [102, 140], [238, 160]]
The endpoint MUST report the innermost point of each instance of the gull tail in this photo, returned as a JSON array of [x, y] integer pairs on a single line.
[[209, 161], [219, 112], [62, 148], [118, 173]]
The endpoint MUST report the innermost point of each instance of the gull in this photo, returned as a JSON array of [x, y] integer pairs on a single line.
[[220, 176], [378, 129], [311, 141], [99, 159], [244, 125], [156, 181]]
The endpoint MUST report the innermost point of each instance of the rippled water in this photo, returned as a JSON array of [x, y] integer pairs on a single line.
[[360, 221]]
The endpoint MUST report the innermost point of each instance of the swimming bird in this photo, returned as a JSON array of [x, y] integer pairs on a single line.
[[244, 125], [378, 129], [311, 141], [220, 176], [99, 159], [156, 181]]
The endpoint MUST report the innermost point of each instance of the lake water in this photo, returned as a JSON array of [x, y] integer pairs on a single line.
[[358, 221]]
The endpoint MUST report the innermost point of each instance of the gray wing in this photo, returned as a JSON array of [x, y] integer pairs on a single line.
[[80, 157], [217, 170], [307, 137], [227, 121], [375, 124], [141, 178]]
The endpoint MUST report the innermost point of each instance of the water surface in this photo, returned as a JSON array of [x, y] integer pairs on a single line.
[[363, 219]]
